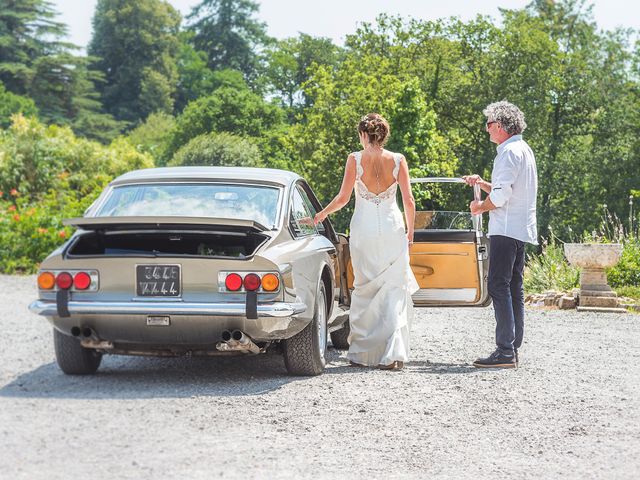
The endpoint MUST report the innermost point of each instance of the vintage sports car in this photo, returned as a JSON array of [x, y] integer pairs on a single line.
[[224, 261]]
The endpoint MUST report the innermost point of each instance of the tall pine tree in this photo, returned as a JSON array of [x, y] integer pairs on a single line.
[[28, 31], [36, 62], [228, 33]]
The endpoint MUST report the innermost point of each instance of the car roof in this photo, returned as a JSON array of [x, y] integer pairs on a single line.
[[236, 174]]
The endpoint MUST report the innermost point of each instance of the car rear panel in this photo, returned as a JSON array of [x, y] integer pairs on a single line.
[[199, 284], [199, 277]]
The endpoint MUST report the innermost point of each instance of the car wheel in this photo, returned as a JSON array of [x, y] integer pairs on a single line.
[[340, 338], [305, 353], [73, 358]]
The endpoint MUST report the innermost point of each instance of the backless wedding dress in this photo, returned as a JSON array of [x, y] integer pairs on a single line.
[[381, 306]]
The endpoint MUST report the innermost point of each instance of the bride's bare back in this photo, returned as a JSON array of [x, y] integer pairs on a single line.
[[383, 164]]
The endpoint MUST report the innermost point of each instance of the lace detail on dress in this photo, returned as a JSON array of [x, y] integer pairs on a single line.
[[362, 190], [396, 169], [359, 169]]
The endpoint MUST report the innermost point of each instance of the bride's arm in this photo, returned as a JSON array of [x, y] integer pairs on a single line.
[[344, 195], [408, 201]]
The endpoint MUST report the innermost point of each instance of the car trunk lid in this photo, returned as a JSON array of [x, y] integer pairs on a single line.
[[120, 223], [172, 237]]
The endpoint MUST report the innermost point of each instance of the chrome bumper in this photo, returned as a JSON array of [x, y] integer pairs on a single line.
[[273, 309]]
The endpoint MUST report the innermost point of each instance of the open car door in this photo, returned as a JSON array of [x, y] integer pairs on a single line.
[[450, 253]]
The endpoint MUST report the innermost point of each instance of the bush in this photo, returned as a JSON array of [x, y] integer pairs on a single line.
[[11, 104], [34, 156], [31, 229], [627, 271], [47, 175], [550, 270], [153, 135], [213, 149], [227, 109]]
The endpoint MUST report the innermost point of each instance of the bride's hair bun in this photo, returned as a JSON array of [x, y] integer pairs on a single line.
[[376, 127]]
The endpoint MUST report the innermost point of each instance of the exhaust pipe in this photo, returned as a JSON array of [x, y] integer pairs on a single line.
[[89, 339], [245, 341], [237, 341], [88, 333]]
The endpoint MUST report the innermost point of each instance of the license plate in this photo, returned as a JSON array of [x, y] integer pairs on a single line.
[[158, 280], [158, 321]]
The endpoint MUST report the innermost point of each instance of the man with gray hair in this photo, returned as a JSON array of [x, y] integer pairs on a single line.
[[511, 204]]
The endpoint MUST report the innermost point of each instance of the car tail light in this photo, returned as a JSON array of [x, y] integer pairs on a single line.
[[64, 280], [46, 280], [233, 282], [262, 282], [270, 282], [74, 280], [81, 281], [252, 282]]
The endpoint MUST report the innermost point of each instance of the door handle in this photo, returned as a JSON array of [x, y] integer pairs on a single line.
[[421, 270]]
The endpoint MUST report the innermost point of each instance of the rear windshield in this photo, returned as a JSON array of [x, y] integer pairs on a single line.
[[216, 200]]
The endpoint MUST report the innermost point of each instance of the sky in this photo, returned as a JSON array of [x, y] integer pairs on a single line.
[[337, 18]]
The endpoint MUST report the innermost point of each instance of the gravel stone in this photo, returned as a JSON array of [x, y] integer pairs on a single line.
[[572, 409]]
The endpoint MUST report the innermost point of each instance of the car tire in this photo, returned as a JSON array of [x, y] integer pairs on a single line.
[[306, 352], [340, 338], [73, 358]]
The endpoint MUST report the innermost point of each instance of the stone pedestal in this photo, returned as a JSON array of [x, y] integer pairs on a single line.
[[595, 293]]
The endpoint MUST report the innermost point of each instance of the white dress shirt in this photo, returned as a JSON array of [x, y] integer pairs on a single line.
[[514, 187]]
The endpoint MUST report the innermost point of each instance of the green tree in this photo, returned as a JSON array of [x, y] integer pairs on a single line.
[[28, 31], [35, 62], [136, 46], [218, 149], [35, 157], [288, 63], [228, 33], [63, 88], [153, 135], [11, 104], [577, 87], [233, 109], [195, 78]]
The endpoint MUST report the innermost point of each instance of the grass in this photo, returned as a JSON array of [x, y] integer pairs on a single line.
[[629, 292], [550, 270]]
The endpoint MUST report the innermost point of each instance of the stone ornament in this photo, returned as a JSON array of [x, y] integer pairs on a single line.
[[592, 258]]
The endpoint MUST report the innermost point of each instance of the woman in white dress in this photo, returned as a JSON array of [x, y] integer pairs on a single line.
[[381, 305]]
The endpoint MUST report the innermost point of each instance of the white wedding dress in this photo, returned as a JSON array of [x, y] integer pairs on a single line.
[[381, 306]]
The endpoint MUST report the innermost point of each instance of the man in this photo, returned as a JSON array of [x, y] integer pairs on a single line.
[[511, 204]]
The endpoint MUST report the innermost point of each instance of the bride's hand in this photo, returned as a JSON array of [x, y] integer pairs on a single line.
[[410, 238], [319, 218]]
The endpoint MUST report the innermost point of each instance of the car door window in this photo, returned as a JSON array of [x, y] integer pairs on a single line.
[[312, 210], [301, 219]]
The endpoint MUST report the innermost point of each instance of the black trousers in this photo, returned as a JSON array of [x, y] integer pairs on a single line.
[[506, 269]]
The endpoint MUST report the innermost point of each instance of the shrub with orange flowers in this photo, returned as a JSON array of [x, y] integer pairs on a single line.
[[47, 174], [29, 232]]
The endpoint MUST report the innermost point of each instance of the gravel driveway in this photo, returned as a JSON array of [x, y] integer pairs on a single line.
[[572, 409]]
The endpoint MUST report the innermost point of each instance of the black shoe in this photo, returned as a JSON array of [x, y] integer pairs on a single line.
[[496, 360], [515, 351]]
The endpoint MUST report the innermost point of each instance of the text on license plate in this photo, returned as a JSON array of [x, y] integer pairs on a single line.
[[158, 280]]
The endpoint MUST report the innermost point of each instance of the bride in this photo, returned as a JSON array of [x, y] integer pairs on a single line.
[[381, 305]]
